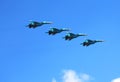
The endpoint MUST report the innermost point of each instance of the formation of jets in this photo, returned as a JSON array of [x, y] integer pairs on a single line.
[[69, 36]]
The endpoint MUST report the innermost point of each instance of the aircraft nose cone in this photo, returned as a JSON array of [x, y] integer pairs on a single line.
[[82, 34], [50, 22], [102, 41], [47, 22]]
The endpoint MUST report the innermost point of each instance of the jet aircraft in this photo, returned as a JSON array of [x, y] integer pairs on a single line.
[[54, 31], [88, 42], [35, 24], [70, 36]]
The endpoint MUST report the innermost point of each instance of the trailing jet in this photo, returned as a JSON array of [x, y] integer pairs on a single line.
[[35, 24], [88, 42], [70, 36], [54, 31]]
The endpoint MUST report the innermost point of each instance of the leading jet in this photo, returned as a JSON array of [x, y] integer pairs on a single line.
[[70, 36], [54, 31], [88, 42], [35, 24]]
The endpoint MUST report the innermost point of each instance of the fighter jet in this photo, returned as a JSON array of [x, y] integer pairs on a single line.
[[70, 36], [88, 42], [35, 24], [54, 31]]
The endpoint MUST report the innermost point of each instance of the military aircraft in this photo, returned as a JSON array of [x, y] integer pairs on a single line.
[[35, 24], [54, 31], [70, 36], [88, 42]]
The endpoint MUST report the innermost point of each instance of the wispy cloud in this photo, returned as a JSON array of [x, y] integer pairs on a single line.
[[54, 80], [116, 80], [73, 76]]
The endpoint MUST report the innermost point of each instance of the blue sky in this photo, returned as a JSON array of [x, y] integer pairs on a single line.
[[30, 55]]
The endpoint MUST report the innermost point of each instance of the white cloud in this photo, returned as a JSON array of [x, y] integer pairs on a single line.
[[116, 80], [72, 76]]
